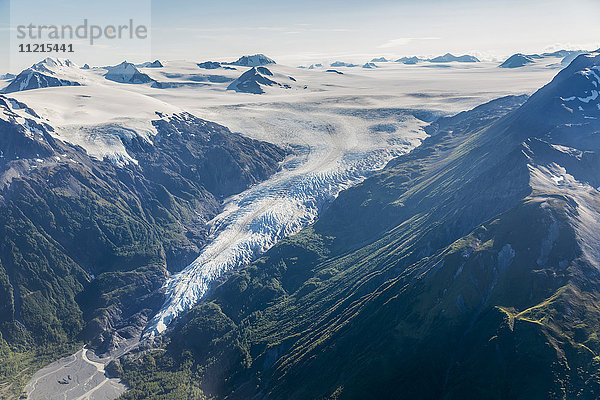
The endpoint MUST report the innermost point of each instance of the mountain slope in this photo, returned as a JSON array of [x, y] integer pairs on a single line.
[[466, 269], [86, 243]]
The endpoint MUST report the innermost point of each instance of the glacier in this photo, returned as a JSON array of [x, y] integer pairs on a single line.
[[255, 220]]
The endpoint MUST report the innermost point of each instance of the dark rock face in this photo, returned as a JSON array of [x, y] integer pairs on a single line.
[[85, 245], [15, 143], [206, 152]]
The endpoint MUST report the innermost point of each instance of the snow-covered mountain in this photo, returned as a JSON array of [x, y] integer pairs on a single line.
[[452, 58], [516, 61], [153, 64], [257, 78], [337, 64], [555, 59], [574, 96], [126, 73], [409, 60], [99, 119], [50, 72], [563, 53], [255, 60], [214, 65], [379, 59], [52, 65]]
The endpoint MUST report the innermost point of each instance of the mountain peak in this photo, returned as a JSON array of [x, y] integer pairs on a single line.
[[50, 63], [579, 85], [409, 60], [255, 79], [448, 57], [153, 64], [516, 61], [255, 60], [566, 110], [126, 72]]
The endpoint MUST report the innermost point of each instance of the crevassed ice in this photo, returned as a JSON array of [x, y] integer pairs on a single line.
[[255, 220]]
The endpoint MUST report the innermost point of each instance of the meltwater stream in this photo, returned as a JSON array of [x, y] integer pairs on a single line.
[[341, 153]]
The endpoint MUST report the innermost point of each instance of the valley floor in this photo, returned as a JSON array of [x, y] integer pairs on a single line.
[[80, 376]]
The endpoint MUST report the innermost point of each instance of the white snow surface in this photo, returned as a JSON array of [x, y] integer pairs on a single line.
[[97, 118], [340, 129]]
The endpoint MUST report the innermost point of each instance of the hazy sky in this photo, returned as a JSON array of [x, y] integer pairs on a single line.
[[296, 32]]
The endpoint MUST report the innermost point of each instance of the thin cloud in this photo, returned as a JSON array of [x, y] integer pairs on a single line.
[[571, 46], [399, 42]]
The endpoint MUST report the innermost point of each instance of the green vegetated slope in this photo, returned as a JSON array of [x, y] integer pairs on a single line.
[[85, 244], [465, 269]]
